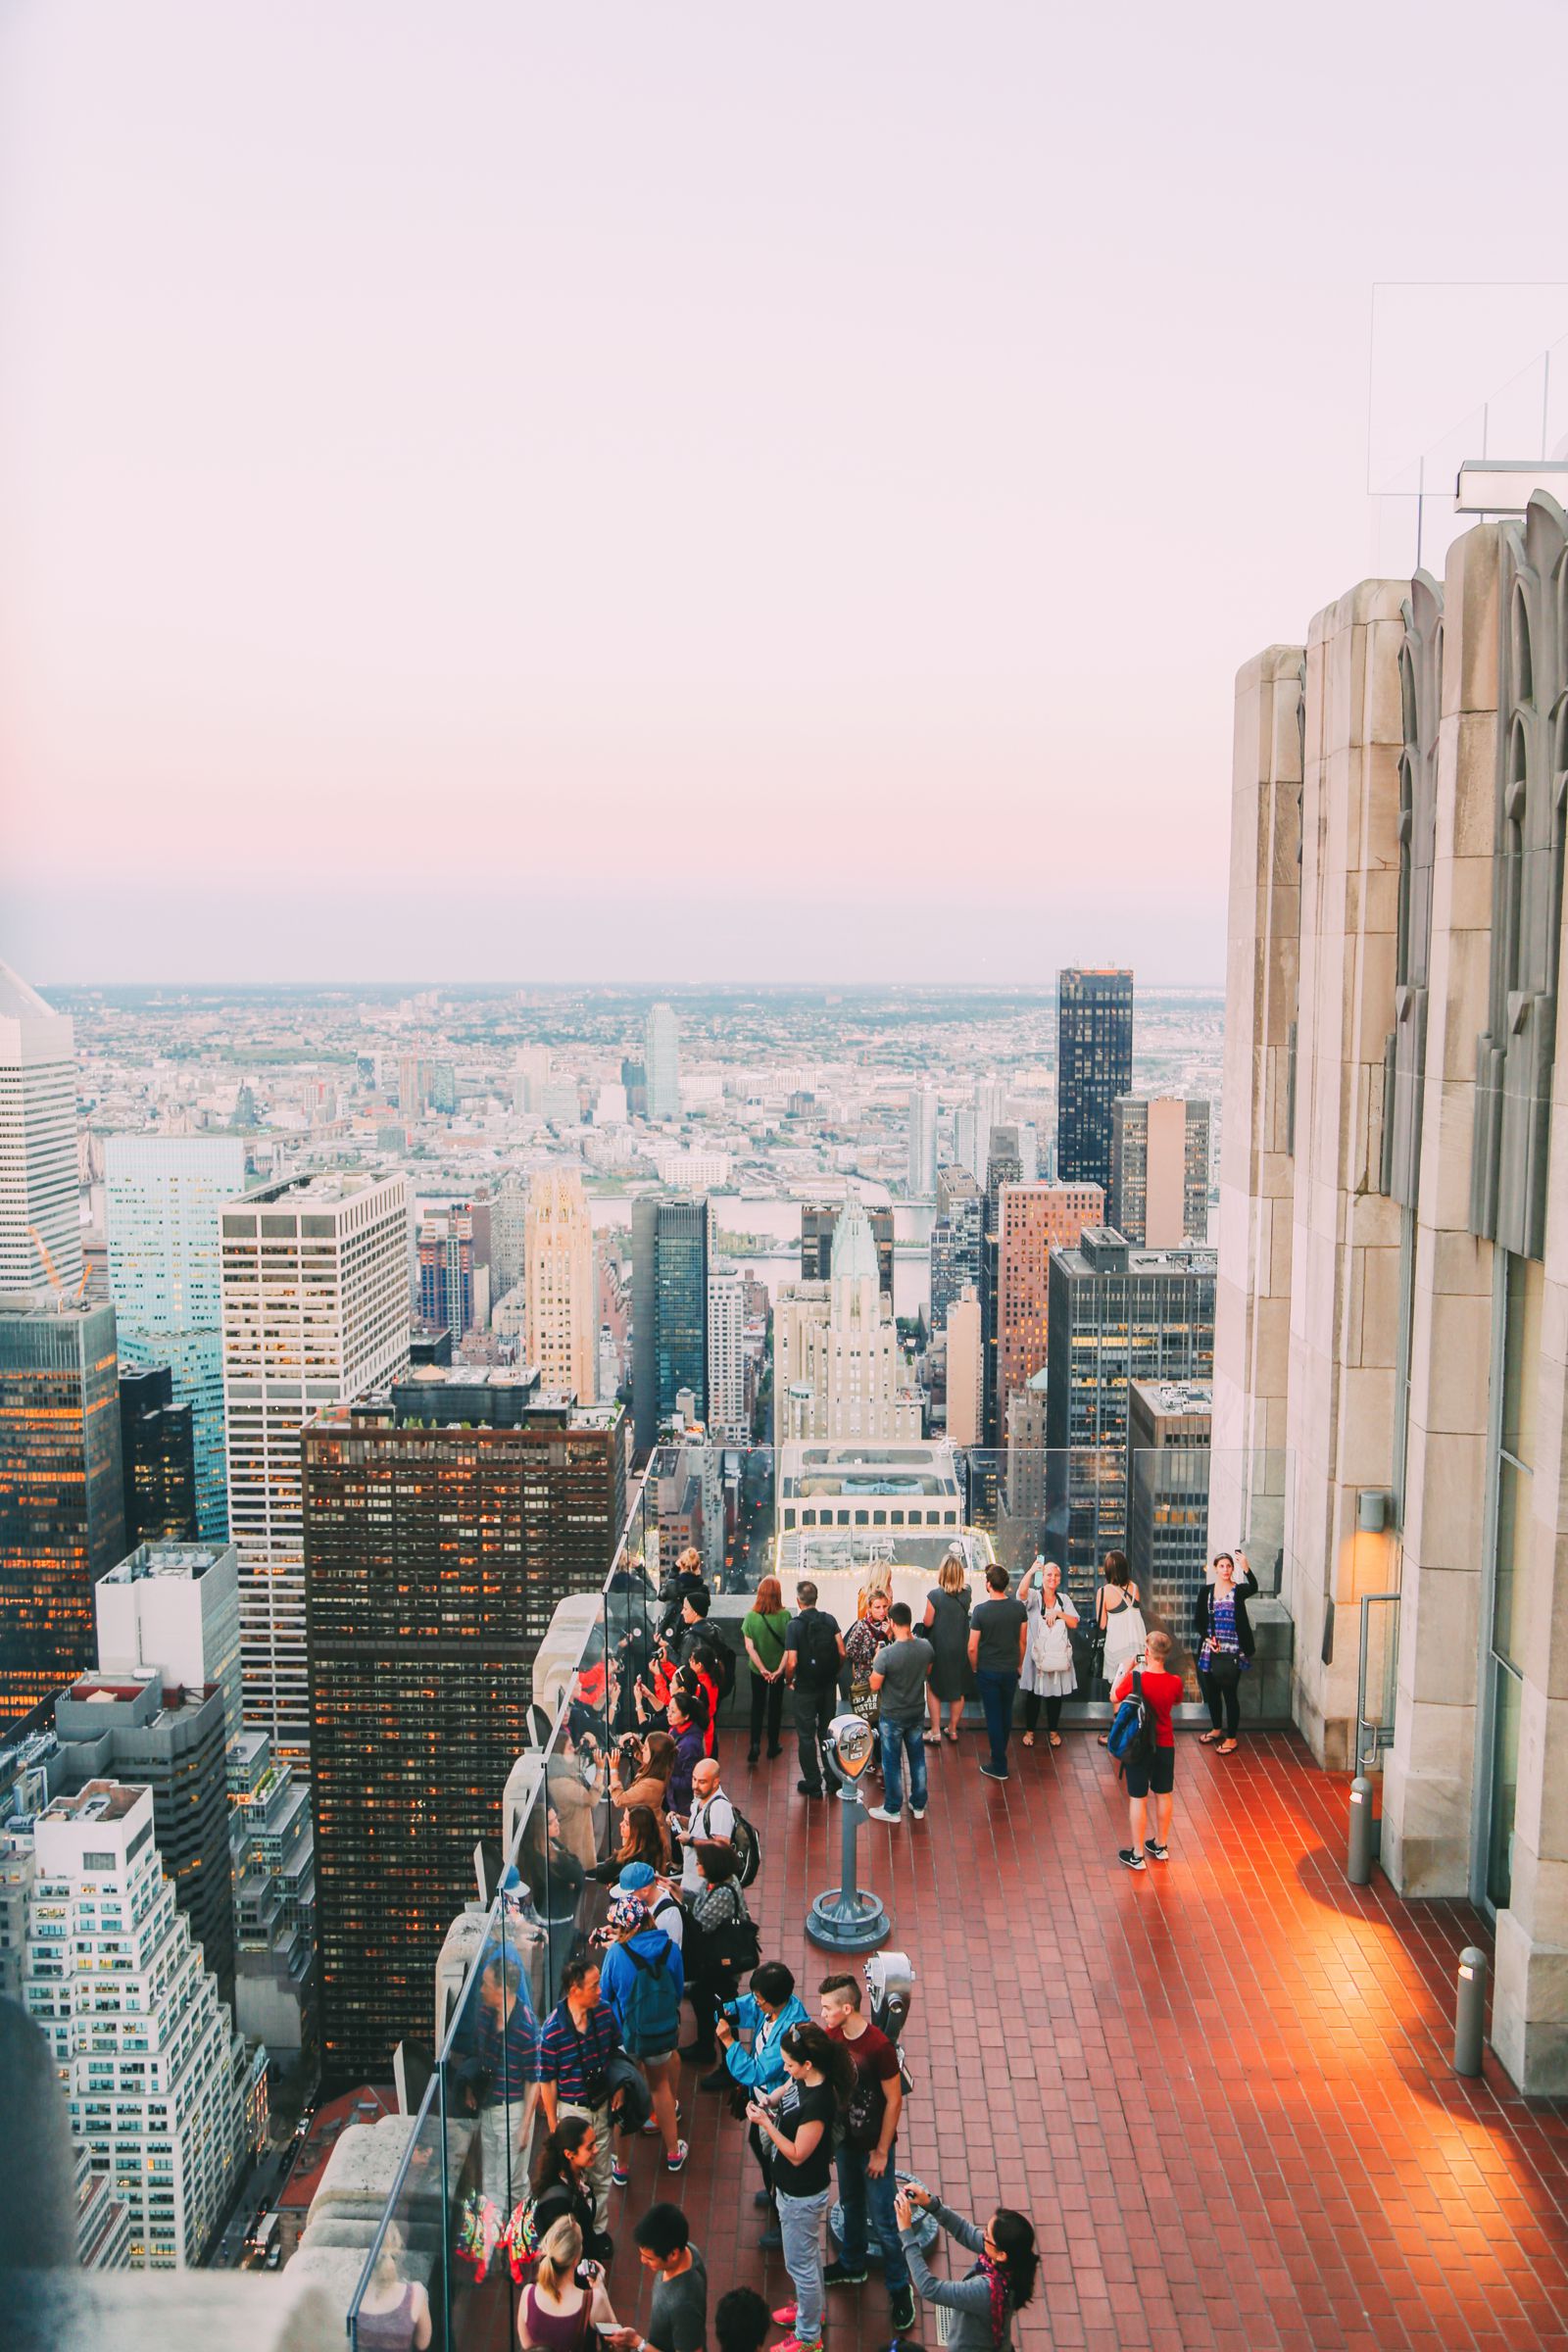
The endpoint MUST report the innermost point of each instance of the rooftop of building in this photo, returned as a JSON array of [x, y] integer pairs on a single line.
[[326, 1187], [95, 1800], [20, 1001], [1175, 1396], [183, 1563], [1100, 1248], [366, 2105], [867, 1469], [451, 1396]]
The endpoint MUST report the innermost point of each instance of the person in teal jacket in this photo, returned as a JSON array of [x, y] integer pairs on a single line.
[[767, 2013], [641, 1980]]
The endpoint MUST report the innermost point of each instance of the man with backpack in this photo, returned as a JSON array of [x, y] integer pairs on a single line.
[[814, 1659], [642, 1982], [712, 1817], [1144, 1742], [868, 2176]]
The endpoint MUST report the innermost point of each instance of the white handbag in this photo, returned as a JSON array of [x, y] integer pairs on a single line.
[[1050, 1647]]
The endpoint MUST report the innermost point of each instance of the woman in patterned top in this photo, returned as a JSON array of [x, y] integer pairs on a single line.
[[1224, 1637]]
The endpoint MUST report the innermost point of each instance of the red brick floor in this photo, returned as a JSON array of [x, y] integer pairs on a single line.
[[1222, 2089]]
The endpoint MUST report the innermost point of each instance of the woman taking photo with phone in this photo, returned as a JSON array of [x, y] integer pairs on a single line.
[[796, 2121], [982, 2302], [1223, 1633], [1050, 1669]]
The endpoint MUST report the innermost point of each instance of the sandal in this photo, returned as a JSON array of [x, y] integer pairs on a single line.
[[1055, 1739], [953, 1737], [1104, 1738], [1207, 1738], [930, 1739], [1027, 1740], [1227, 1748]]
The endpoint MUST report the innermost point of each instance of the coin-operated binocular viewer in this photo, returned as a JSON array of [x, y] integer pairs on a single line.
[[846, 1918]]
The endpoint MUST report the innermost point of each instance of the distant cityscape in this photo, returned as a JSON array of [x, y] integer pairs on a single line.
[[306, 1289]]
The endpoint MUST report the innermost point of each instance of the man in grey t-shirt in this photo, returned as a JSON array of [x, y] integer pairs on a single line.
[[678, 2318], [899, 1672]]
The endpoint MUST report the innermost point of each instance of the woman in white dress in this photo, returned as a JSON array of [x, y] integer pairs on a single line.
[[1050, 1670]]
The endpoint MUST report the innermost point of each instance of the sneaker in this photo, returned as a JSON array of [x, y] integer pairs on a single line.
[[677, 2161], [794, 2343], [881, 1813], [900, 2309], [1125, 1854], [839, 2274], [992, 1774], [917, 1812], [784, 2317], [618, 2174], [649, 2129], [771, 2242], [805, 1788], [751, 1756], [763, 2201], [1156, 1853]]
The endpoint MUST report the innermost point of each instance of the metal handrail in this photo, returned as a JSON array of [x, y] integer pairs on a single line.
[[1381, 1727]]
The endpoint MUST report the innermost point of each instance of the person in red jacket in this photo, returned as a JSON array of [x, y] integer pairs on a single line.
[[1162, 1690]]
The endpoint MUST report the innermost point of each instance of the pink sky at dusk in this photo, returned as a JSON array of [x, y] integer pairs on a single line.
[[698, 492]]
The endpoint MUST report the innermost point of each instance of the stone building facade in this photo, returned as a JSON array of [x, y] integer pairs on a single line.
[[1393, 1220]]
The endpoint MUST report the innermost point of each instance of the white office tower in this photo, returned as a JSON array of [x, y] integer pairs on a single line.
[[315, 1311], [561, 1287], [923, 1142], [40, 1222], [163, 1194], [174, 1608], [989, 1110], [662, 1064], [838, 1371], [727, 1357], [144, 2048]]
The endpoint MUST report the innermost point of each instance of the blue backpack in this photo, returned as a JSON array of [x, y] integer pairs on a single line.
[[650, 2023], [1132, 1728]]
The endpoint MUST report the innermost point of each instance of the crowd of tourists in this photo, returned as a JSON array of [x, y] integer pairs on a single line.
[[631, 1906]]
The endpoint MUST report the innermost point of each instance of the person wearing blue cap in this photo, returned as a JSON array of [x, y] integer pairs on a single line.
[[658, 1898], [642, 1983]]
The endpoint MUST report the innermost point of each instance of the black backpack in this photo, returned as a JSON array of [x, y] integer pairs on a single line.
[[746, 1848], [820, 1660]]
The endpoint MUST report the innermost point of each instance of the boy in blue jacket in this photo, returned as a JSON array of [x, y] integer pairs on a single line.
[[641, 1982], [767, 2013]]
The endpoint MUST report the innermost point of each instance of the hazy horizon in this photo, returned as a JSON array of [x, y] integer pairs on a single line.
[[613, 491]]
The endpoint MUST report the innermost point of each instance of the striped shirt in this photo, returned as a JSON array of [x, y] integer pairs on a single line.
[[569, 2059]]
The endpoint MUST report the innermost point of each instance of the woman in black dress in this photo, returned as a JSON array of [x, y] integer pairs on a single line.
[[946, 1625]]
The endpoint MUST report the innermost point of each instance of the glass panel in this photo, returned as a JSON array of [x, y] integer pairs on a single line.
[[1507, 1692]]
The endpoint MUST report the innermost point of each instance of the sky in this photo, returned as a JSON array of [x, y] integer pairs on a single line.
[[703, 492]]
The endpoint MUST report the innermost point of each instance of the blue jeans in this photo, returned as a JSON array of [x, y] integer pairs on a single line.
[[995, 1696], [856, 2191], [800, 2226], [901, 1740]]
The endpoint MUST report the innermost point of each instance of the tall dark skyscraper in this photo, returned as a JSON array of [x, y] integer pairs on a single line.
[[1093, 1065], [820, 1221], [62, 1502], [1117, 1315], [444, 1520], [1004, 1166], [158, 1458], [671, 1252]]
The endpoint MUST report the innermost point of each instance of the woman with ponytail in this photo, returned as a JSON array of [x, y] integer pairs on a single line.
[[560, 2306], [797, 2121], [983, 2302]]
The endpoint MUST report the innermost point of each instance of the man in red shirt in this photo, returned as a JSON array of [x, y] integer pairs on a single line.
[[1162, 1690], [867, 2179]]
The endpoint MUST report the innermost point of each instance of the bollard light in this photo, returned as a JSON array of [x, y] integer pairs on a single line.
[[1363, 1833], [1470, 2011]]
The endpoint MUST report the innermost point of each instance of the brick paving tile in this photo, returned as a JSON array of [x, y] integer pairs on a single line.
[[1223, 2087]]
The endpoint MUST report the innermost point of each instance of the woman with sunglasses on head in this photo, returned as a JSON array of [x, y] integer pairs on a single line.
[[984, 2301], [1223, 1633]]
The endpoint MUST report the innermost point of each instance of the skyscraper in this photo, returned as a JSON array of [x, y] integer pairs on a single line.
[[922, 1143], [174, 1607], [964, 1369], [1117, 1315], [315, 1310], [61, 1499], [153, 2085], [444, 1520], [40, 1228], [1159, 1171], [727, 1357], [449, 1273], [956, 1254], [1035, 1219], [561, 1287], [820, 1221], [1093, 1065], [990, 1107], [162, 1197], [662, 1064], [157, 1457], [671, 1252], [838, 1370], [1003, 1167]]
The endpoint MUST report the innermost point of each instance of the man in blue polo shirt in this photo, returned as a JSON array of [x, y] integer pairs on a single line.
[[579, 2039], [506, 2053]]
